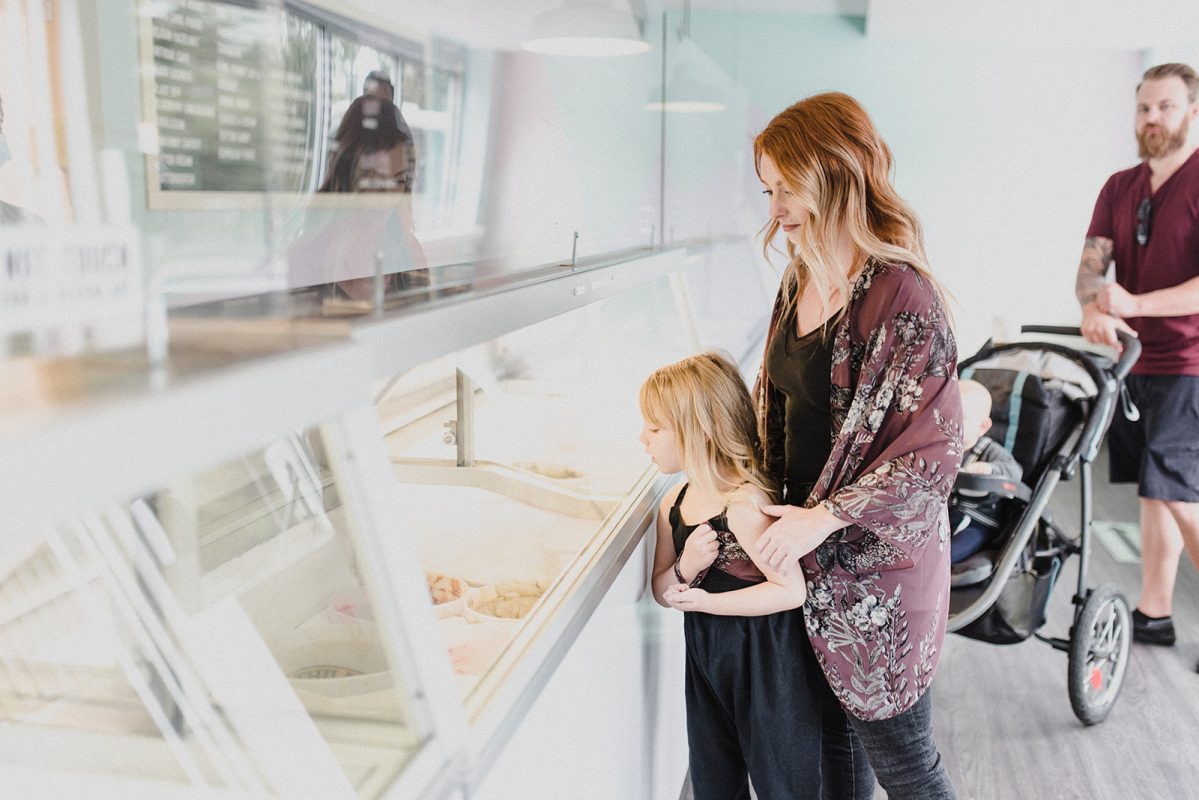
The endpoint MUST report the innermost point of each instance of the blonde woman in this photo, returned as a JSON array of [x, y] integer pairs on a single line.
[[861, 422], [751, 704]]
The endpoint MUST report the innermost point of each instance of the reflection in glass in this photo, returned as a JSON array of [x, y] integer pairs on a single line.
[[515, 458], [350, 63], [219, 632], [369, 248], [232, 95], [10, 213]]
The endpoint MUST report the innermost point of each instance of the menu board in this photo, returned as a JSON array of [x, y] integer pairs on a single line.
[[233, 94]]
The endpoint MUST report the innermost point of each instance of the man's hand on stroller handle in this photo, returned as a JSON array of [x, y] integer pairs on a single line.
[[1100, 327], [796, 532]]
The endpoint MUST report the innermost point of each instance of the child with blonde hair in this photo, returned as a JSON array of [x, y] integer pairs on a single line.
[[751, 703]]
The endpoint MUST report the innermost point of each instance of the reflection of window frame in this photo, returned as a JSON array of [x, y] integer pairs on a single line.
[[167, 200], [449, 124], [328, 24]]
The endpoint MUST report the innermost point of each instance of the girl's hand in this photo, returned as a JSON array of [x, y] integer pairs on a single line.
[[796, 532], [699, 552], [683, 598]]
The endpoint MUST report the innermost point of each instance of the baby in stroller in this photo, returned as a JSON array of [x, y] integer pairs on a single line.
[[974, 519]]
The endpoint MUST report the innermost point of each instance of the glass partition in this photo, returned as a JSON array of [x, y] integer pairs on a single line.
[[709, 130], [325, 154]]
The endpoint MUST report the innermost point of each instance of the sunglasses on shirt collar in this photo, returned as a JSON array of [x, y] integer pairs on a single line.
[[1143, 211]]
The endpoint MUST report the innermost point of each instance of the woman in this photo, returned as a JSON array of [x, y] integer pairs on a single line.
[[861, 419], [344, 244]]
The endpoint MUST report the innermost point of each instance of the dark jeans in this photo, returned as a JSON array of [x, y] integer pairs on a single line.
[[968, 541], [899, 750], [969, 536]]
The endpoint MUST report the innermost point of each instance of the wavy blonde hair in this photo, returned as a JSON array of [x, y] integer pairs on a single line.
[[835, 164], [704, 400]]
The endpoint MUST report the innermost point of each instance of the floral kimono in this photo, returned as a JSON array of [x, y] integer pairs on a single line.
[[878, 589]]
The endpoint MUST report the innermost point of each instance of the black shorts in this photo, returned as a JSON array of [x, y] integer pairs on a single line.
[[1160, 451]]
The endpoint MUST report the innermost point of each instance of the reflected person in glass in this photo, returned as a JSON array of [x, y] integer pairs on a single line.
[[861, 424], [741, 621], [10, 214], [371, 156], [377, 84]]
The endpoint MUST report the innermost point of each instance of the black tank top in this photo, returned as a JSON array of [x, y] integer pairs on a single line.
[[733, 568], [800, 367]]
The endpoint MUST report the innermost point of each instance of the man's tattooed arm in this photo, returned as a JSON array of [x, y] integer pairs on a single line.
[[1092, 270]]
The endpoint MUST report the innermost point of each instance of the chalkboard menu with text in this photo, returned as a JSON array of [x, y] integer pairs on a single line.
[[233, 94]]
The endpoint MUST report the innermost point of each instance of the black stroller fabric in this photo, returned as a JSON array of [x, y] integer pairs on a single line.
[[1028, 419], [1031, 417]]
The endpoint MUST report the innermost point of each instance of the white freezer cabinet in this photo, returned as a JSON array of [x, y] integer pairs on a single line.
[[226, 633], [522, 488], [365, 606]]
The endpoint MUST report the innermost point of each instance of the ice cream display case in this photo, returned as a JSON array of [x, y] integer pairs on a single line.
[[521, 483], [230, 629], [358, 581]]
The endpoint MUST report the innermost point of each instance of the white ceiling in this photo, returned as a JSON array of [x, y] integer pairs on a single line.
[[1118, 24]]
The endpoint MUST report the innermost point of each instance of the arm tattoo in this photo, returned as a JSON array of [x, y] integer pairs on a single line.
[[1092, 270]]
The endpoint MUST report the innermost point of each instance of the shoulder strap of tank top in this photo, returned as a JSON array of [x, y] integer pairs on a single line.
[[722, 518], [678, 501]]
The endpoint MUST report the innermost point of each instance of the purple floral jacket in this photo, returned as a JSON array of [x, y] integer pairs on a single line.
[[878, 589]]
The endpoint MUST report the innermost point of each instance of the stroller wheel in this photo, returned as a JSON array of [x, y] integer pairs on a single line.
[[1099, 648]]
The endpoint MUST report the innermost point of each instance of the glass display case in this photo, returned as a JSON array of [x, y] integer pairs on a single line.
[[518, 464], [232, 630], [368, 602]]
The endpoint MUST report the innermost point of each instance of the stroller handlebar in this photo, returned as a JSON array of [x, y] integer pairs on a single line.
[[1130, 346]]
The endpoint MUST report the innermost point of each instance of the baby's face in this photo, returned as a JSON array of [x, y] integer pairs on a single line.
[[661, 445], [973, 427]]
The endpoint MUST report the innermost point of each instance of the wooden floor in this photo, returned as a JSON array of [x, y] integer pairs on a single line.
[[1002, 716]]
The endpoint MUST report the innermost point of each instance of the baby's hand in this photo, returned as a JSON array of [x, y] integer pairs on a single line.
[[700, 551], [978, 468], [683, 598]]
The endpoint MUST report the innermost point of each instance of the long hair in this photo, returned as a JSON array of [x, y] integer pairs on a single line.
[[371, 124], [704, 400], [836, 165]]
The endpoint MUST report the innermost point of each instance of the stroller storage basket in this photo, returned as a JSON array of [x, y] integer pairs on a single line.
[[1019, 611]]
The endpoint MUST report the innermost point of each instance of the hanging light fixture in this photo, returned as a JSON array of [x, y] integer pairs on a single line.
[[588, 28], [687, 94], [686, 91]]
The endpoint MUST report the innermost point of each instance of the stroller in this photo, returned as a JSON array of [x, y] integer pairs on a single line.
[[1052, 404]]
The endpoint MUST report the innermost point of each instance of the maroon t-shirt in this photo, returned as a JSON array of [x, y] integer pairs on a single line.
[[1170, 345]]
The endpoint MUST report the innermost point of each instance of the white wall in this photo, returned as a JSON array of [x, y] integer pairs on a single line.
[[1000, 147]]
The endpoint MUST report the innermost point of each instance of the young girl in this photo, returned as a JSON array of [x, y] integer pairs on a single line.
[[751, 705]]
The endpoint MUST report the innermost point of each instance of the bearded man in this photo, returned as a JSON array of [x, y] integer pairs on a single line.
[[1146, 222]]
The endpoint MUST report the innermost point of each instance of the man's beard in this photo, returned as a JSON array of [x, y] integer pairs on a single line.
[[1159, 143]]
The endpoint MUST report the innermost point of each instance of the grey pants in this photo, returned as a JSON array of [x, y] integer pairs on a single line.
[[899, 750]]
